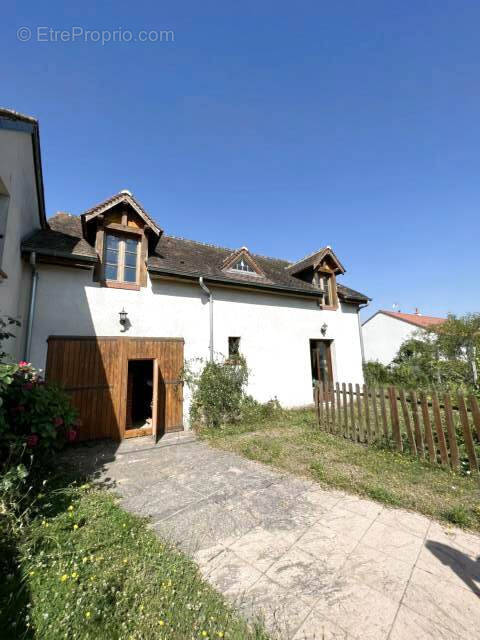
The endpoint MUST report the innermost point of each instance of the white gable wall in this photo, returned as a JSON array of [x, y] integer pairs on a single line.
[[274, 330], [18, 202], [383, 336]]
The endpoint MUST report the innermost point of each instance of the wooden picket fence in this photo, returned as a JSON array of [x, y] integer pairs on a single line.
[[441, 429]]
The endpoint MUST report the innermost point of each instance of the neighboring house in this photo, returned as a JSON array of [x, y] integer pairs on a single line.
[[120, 306], [22, 210], [385, 331]]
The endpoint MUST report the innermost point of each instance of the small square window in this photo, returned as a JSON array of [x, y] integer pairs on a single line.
[[233, 347]]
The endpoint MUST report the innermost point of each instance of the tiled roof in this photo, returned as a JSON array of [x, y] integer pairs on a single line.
[[63, 239], [415, 318], [178, 256]]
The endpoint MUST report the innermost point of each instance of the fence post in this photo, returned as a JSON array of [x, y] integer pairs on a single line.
[[361, 435], [476, 413], [452, 436], [332, 408], [432, 453], [384, 414], [408, 426], [327, 407], [416, 424], [339, 409], [367, 414], [373, 393], [345, 410], [353, 430], [467, 434], [439, 429], [395, 420], [320, 405]]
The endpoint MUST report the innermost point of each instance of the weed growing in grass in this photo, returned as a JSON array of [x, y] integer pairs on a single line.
[[458, 515]]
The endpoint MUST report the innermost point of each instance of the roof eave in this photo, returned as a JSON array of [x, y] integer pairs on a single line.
[[188, 275], [78, 257], [20, 122]]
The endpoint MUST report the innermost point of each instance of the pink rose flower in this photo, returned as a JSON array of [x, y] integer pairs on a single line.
[[32, 440], [23, 364], [71, 435]]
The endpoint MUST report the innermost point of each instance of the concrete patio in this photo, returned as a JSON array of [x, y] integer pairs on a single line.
[[313, 563]]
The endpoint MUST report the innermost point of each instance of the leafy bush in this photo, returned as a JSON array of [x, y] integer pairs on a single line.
[[218, 391], [34, 417]]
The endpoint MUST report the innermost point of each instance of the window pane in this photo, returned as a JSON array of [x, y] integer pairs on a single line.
[[130, 274], [130, 260], [110, 272], [112, 241], [112, 256], [131, 245]]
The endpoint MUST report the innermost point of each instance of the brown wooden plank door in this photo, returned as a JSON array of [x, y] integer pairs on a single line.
[[86, 368]]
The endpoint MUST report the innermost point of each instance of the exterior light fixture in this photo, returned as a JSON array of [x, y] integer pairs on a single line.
[[123, 318], [324, 328]]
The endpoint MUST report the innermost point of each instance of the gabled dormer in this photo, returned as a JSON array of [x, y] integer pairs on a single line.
[[320, 269], [242, 263], [123, 235]]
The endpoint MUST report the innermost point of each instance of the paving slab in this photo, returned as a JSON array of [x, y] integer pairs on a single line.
[[312, 563]]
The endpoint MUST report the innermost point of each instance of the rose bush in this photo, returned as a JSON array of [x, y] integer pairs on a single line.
[[35, 418]]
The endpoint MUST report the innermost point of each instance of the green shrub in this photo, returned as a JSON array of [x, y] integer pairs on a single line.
[[218, 390], [37, 418]]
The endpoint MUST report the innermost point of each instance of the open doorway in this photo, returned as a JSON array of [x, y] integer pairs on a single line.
[[321, 361], [139, 398]]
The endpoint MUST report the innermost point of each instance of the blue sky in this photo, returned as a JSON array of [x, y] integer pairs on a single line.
[[276, 125]]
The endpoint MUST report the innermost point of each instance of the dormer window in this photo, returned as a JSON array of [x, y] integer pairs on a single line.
[[241, 262], [242, 265], [121, 258], [325, 282]]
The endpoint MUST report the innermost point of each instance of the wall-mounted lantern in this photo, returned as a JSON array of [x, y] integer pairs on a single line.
[[324, 328], [123, 318]]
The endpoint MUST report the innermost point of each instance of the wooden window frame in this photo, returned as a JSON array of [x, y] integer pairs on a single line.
[[120, 282], [332, 284], [124, 231]]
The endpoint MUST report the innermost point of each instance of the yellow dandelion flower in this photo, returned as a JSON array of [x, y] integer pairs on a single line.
[[87, 614], [220, 634], [70, 508], [74, 574], [204, 634], [75, 526], [64, 577], [32, 573]]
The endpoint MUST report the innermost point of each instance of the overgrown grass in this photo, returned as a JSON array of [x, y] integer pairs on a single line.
[[291, 441], [85, 568]]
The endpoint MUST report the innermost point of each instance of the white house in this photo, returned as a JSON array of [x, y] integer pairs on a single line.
[[385, 332], [22, 210], [120, 305]]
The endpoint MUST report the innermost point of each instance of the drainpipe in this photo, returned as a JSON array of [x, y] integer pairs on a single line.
[[210, 302], [361, 306], [31, 307]]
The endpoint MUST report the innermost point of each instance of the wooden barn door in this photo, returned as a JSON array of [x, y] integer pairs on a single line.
[[87, 369], [94, 371]]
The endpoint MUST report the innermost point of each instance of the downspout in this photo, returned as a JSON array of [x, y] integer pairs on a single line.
[[210, 302], [360, 333], [31, 307]]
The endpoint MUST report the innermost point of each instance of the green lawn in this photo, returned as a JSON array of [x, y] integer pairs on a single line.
[[291, 441], [84, 568]]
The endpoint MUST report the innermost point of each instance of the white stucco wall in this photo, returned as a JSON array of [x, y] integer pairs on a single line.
[[20, 205], [274, 330], [383, 336]]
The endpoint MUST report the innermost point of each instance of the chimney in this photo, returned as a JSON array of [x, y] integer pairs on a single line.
[[417, 312]]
